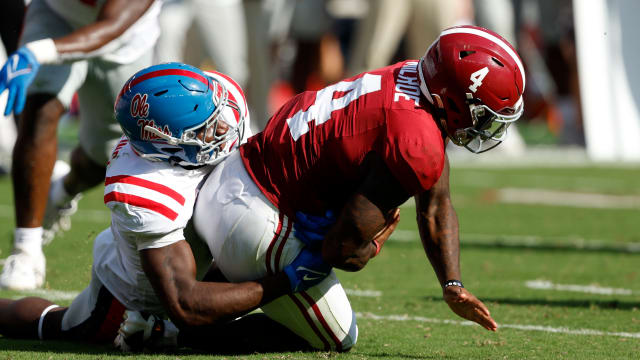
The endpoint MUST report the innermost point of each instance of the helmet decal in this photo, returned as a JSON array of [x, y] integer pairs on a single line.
[[139, 106]]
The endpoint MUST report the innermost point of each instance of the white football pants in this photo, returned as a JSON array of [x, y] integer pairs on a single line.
[[249, 239]]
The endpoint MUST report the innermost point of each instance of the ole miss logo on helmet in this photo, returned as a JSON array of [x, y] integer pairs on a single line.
[[139, 106], [144, 124]]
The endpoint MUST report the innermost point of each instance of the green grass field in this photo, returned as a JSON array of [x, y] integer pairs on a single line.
[[553, 252]]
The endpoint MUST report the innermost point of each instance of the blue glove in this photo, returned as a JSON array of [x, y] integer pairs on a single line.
[[16, 75], [311, 229], [306, 270]]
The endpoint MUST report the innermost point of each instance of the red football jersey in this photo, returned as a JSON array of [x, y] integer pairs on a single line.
[[308, 156]]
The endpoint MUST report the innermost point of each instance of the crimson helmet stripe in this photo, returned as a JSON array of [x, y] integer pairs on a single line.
[[165, 72], [505, 46]]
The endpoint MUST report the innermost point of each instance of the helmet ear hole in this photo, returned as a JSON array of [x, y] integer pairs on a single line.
[[463, 54]]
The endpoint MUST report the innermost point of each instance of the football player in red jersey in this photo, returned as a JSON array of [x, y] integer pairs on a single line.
[[361, 148]]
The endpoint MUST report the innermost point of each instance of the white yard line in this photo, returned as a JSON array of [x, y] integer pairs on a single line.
[[560, 330], [363, 293], [530, 241], [52, 295], [564, 198], [589, 289]]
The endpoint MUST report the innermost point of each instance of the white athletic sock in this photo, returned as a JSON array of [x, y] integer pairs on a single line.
[[59, 194], [28, 240]]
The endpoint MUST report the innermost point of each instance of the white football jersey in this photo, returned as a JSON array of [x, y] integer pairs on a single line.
[[151, 203], [126, 48]]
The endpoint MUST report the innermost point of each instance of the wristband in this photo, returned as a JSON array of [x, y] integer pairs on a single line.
[[448, 283], [44, 51], [377, 247]]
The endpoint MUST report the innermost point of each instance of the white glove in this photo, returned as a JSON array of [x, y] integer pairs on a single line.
[[139, 331]]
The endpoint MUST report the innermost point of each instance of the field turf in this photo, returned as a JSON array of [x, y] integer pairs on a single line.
[[559, 269]]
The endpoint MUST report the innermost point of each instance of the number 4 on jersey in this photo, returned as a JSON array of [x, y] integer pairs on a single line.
[[477, 77], [325, 103]]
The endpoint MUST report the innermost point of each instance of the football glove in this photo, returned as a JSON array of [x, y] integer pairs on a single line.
[[16, 76], [311, 229], [307, 270], [139, 331]]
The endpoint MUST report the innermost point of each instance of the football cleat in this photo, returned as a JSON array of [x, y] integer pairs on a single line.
[[142, 331], [23, 271], [57, 216]]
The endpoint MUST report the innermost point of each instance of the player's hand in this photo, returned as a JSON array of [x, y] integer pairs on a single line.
[[139, 331], [467, 306], [311, 229], [307, 270], [16, 76], [391, 222]]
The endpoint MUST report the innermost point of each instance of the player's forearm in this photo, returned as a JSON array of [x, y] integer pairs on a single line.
[[440, 239], [94, 39], [210, 303]]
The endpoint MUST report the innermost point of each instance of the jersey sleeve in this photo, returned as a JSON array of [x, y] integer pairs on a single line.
[[414, 150], [150, 208], [142, 227]]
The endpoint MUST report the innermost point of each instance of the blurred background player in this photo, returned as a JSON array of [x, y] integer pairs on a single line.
[[220, 27], [88, 46]]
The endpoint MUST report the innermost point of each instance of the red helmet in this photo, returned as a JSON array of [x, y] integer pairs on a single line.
[[477, 78]]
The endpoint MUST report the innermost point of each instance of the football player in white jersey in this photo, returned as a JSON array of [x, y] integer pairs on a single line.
[[178, 123], [88, 47]]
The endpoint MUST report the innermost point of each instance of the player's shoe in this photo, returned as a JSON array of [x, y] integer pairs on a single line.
[[141, 331], [23, 271], [57, 216]]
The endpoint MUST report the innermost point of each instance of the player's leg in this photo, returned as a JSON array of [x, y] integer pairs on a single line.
[[249, 239], [321, 315], [98, 134], [35, 150], [228, 49], [378, 34], [25, 318]]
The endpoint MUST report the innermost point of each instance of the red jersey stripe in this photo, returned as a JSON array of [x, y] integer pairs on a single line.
[[140, 202], [127, 179], [276, 235], [320, 317], [312, 324], [276, 263]]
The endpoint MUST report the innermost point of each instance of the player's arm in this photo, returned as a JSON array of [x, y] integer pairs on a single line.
[[367, 220], [114, 18], [95, 39], [438, 226], [172, 272]]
